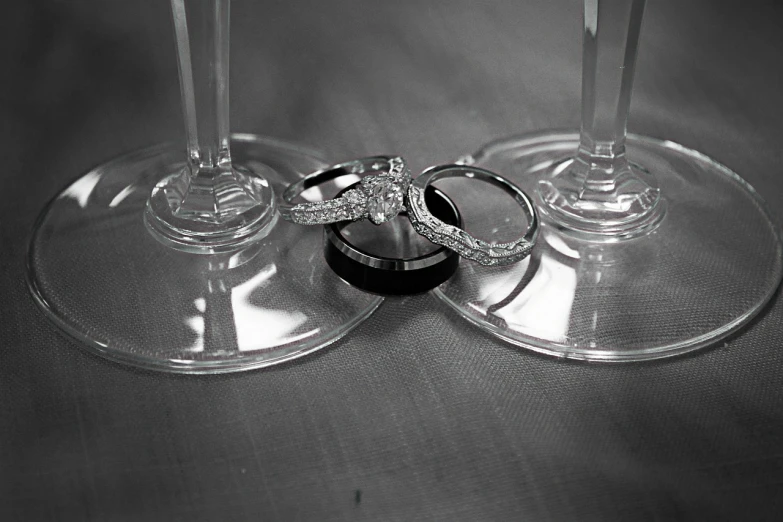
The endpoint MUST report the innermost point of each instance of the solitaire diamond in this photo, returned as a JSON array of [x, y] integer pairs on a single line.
[[385, 201]]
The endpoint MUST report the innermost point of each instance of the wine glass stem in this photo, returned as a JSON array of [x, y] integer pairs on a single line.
[[202, 31], [611, 38], [209, 205], [600, 192]]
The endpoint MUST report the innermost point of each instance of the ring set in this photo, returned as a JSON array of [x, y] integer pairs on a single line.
[[385, 190]]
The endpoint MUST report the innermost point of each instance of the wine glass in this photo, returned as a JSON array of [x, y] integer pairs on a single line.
[[648, 248], [180, 262]]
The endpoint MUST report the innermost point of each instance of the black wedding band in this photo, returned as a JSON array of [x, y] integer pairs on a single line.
[[394, 276]]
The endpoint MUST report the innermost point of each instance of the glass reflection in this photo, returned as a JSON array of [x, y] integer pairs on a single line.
[[82, 189]]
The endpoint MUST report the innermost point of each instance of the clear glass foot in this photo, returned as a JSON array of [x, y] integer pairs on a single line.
[[710, 264], [217, 213], [98, 273], [606, 198]]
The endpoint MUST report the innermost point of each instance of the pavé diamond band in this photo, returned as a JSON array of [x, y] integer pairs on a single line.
[[483, 252], [379, 196]]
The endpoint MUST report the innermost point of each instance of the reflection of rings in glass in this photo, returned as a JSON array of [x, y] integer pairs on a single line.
[[390, 276], [489, 254], [379, 196]]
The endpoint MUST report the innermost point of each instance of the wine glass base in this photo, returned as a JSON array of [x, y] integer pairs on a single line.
[[192, 233], [98, 273], [709, 266]]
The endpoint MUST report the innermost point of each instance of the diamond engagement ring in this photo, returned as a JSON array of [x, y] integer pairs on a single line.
[[483, 252], [379, 196]]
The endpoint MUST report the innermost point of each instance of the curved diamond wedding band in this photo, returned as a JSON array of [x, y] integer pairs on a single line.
[[488, 254], [379, 196]]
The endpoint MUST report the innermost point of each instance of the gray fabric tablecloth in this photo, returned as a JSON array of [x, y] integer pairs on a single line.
[[415, 415]]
